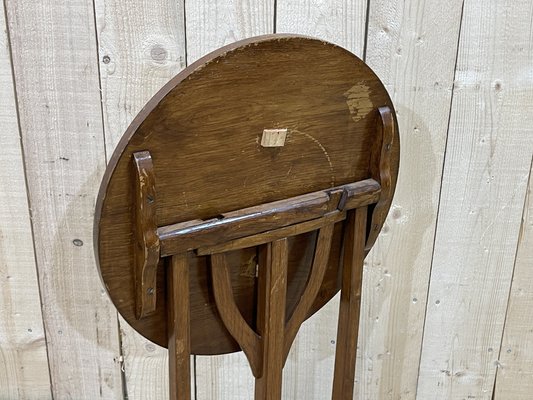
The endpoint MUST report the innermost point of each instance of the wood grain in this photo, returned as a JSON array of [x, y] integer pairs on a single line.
[[270, 236], [248, 340], [316, 276], [248, 221], [350, 304], [271, 295], [338, 21], [513, 377], [145, 366], [487, 165], [212, 24], [179, 334], [252, 221], [381, 171], [23, 362], [141, 46], [56, 76], [412, 46], [147, 245]]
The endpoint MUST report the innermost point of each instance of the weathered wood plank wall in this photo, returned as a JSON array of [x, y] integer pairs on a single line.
[[447, 293], [486, 171], [23, 360], [58, 98]]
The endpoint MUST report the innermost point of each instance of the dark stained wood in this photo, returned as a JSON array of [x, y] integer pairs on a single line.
[[191, 235], [179, 237], [204, 131], [350, 304], [270, 236], [320, 262], [179, 338], [381, 169], [271, 297], [146, 248], [248, 340]]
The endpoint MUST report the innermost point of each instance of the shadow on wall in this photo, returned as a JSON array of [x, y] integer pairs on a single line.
[[78, 312], [396, 274]]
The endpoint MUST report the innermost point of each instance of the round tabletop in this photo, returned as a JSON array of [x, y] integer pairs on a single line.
[[203, 130]]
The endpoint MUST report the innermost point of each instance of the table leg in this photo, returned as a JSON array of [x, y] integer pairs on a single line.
[[179, 341], [271, 318], [352, 272]]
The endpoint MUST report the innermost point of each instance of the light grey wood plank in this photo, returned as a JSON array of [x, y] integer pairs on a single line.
[[211, 24], [54, 58], [515, 365], [23, 361], [412, 46], [488, 157]]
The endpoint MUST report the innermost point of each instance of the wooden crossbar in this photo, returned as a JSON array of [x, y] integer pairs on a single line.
[[192, 235]]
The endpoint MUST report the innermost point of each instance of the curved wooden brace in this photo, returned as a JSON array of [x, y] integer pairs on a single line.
[[380, 170], [237, 326], [316, 276]]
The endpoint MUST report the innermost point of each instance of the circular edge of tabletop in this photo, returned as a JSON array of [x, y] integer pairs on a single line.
[[173, 83]]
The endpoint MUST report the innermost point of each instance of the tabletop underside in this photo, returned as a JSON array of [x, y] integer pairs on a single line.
[[205, 131]]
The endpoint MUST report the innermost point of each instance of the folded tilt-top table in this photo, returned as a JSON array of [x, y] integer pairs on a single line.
[[243, 196]]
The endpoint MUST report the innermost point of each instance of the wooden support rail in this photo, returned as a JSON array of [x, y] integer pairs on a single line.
[[191, 235]]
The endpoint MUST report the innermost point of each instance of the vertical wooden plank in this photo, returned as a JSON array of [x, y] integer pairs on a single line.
[[141, 47], [308, 372], [56, 78], [23, 361], [513, 377], [487, 164], [412, 46], [209, 25], [224, 377], [145, 366], [215, 23], [342, 22]]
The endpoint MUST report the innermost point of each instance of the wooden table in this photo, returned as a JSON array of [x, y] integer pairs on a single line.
[[243, 196]]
